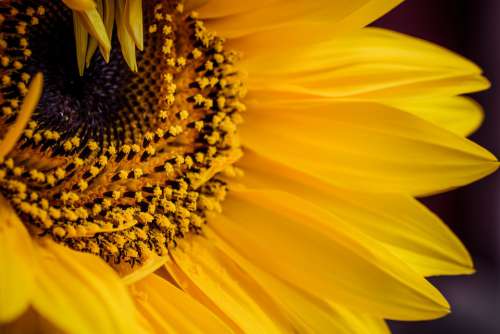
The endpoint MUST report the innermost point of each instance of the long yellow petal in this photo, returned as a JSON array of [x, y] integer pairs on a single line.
[[16, 265], [107, 11], [306, 313], [81, 40], [291, 240], [223, 282], [94, 24], [28, 106], [220, 8], [457, 114], [127, 43], [370, 64], [366, 147], [80, 5], [249, 19], [306, 33], [362, 46], [133, 10], [398, 222], [109, 16], [80, 293], [169, 310]]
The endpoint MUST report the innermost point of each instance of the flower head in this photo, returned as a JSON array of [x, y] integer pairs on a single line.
[[131, 181]]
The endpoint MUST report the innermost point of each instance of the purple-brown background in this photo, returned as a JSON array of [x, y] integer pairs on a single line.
[[471, 28]]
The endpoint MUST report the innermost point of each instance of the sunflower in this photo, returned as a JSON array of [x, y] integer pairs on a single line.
[[214, 166]]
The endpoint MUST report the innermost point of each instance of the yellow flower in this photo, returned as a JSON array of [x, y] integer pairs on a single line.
[[134, 198]]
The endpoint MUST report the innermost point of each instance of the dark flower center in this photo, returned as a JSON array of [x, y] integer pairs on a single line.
[[91, 105], [116, 163]]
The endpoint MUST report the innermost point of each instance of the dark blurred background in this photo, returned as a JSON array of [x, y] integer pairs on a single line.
[[471, 28]]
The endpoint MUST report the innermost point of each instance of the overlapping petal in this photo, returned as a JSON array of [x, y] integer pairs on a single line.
[[398, 222], [134, 23], [107, 11], [92, 22], [241, 18], [370, 64], [98, 22], [76, 292], [168, 310], [303, 248], [127, 42], [346, 129], [458, 114], [306, 313], [366, 146], [235, 294], [80, 293], [17, 281]]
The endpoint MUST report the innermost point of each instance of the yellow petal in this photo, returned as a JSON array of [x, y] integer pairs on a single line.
[[81, 40], [169, 310], [399, 222], [80, 293], [355, 323], [370, 64], [28, 106], [457, 114], [249, 19], [362, 46], [109, 16], [107, 11], [180, 278], [80, 4], [227, 286], [307, 314], [306, 33], [133, 10], [368, 83], [94, 24], [221, 8], [300, 245], [127, 42], [366, 146], [145, 269], [16, 264], [91, 41]]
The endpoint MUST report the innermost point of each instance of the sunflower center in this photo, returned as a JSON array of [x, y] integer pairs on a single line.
[[116, 163], [87, 105]]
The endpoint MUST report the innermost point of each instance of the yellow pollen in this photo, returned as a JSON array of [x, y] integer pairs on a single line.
[[126, 189]]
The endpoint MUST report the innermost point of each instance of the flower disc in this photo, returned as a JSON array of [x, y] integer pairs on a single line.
[[118, 161]]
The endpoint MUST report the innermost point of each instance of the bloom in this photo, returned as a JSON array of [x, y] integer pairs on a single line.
[[166, 213]]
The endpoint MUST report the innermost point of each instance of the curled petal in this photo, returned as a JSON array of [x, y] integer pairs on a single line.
[[29, 104]]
